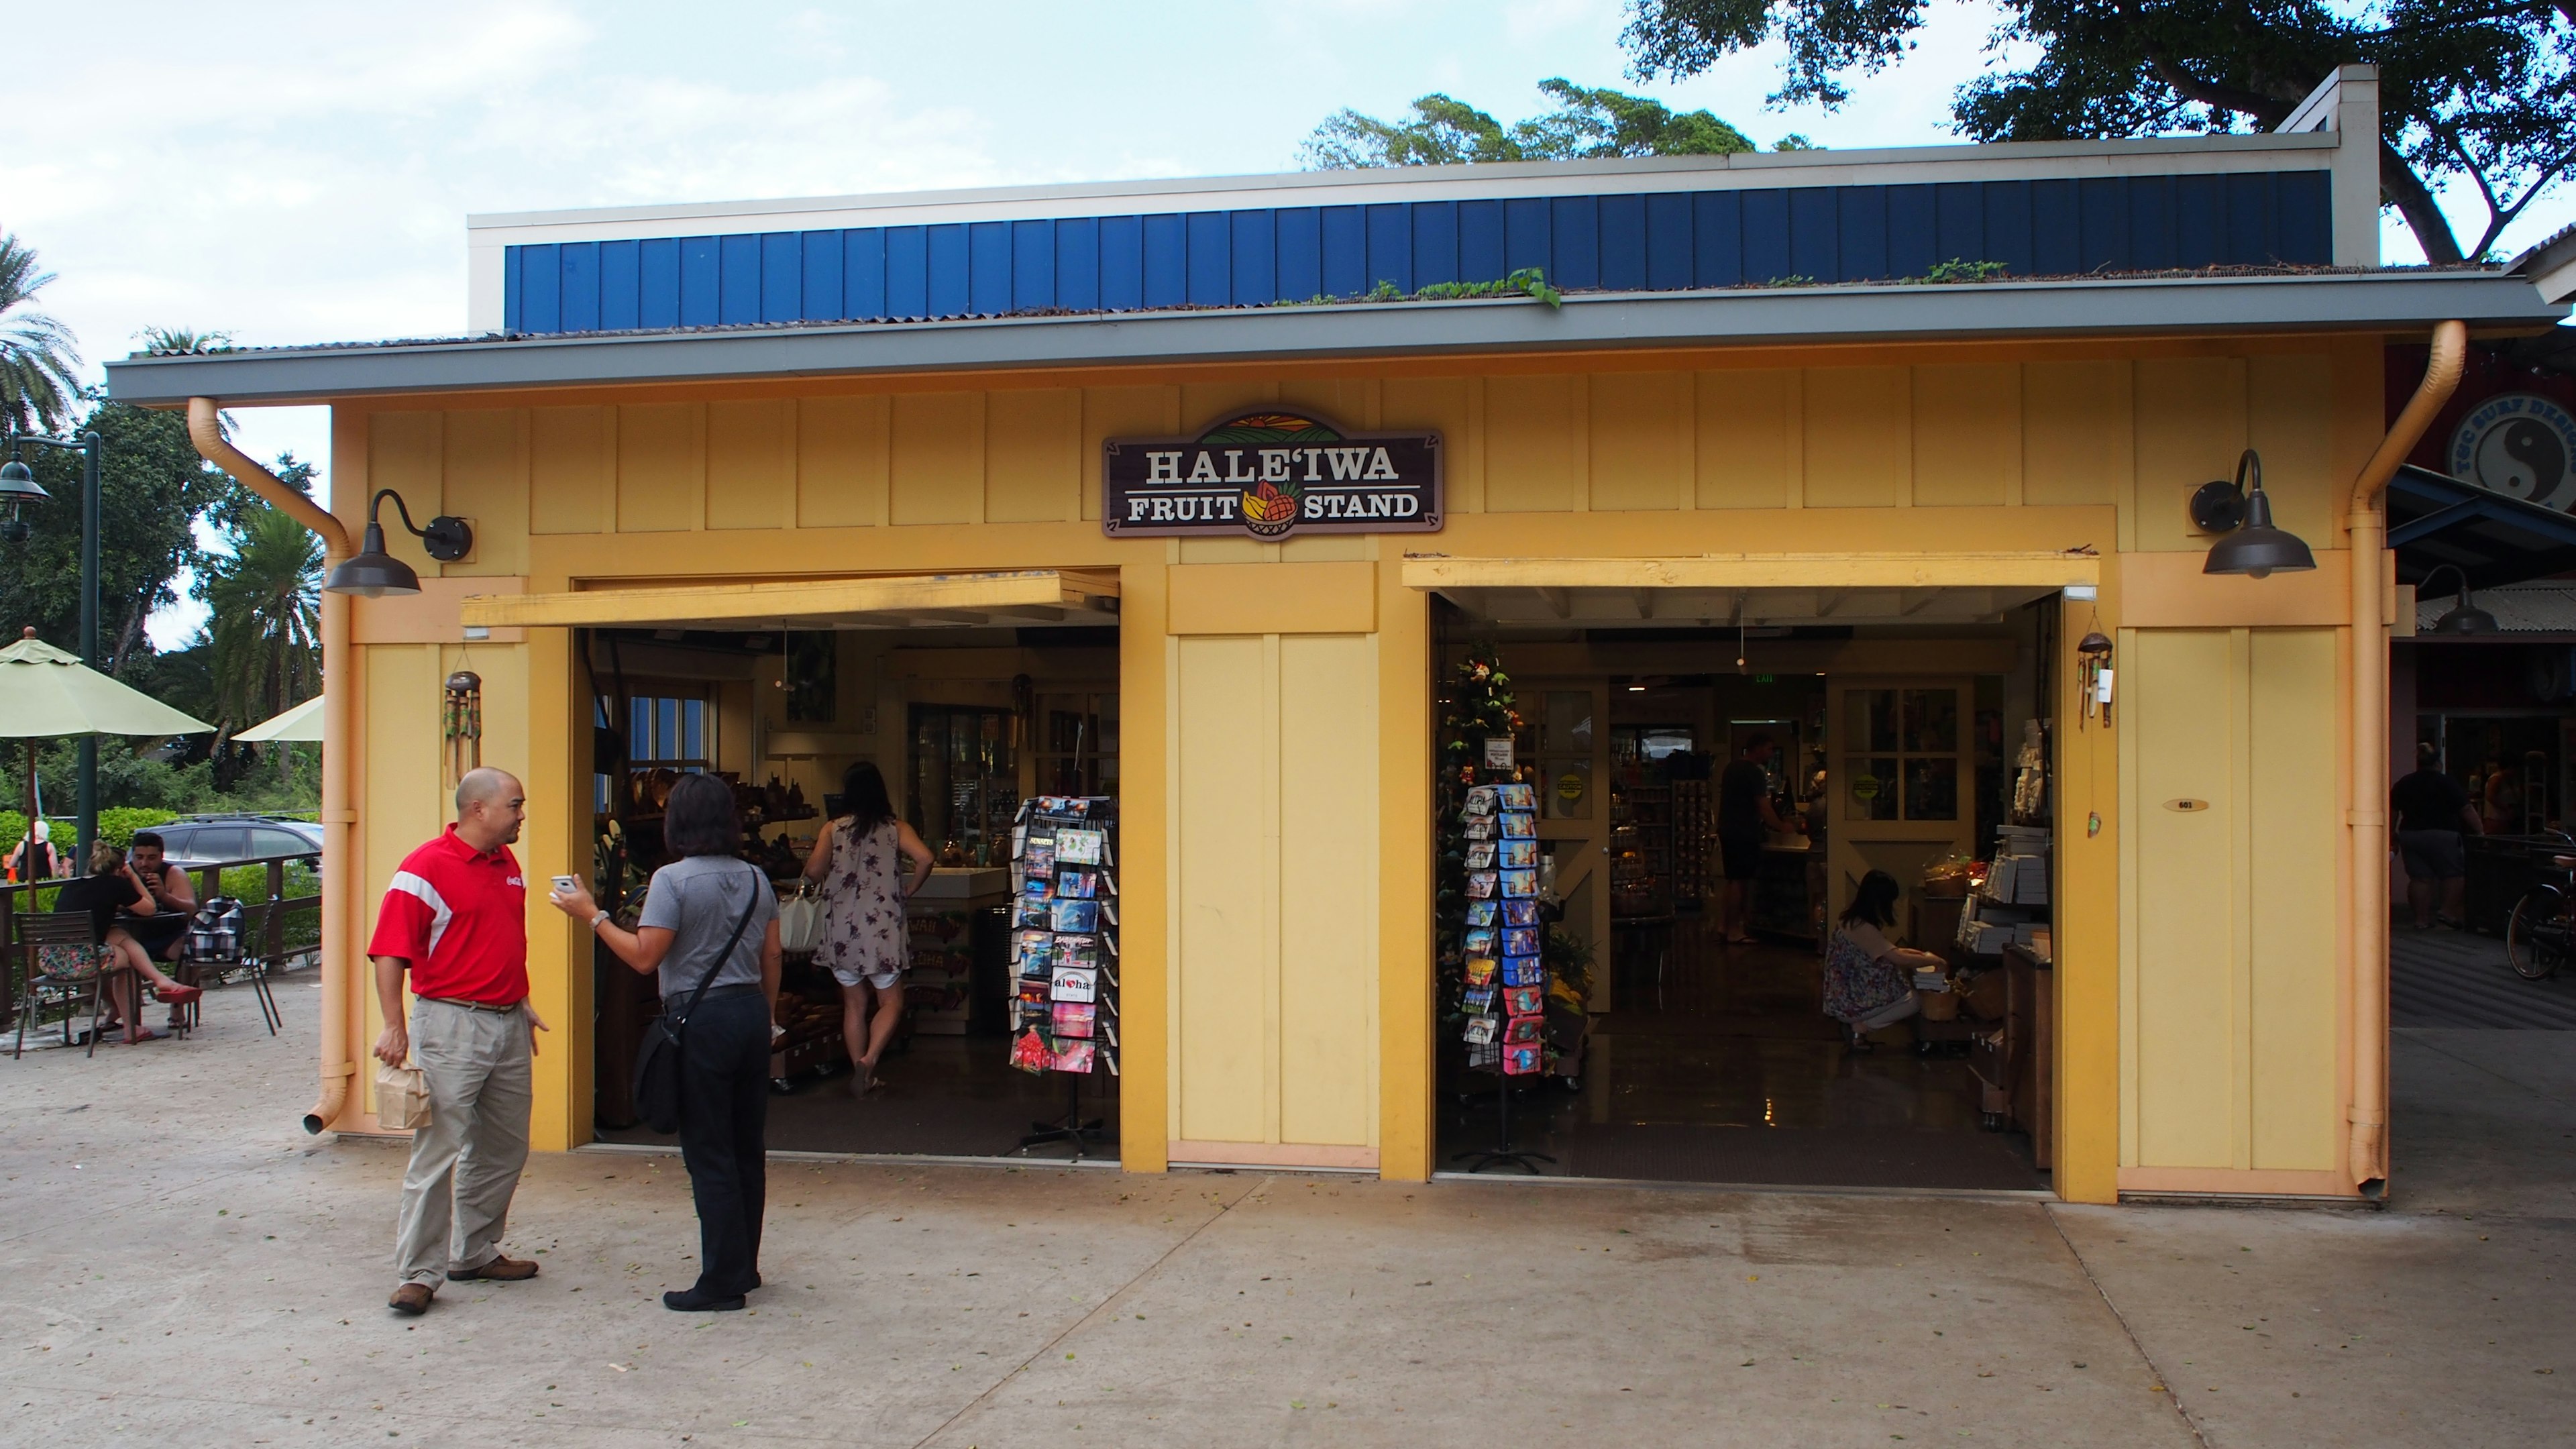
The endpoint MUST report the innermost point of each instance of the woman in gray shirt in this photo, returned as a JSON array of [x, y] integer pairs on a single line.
[[688, 933]]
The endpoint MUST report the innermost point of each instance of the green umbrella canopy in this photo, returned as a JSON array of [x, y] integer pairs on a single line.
[[46, 693]]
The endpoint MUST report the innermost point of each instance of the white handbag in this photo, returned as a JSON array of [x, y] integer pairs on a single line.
[[800, 921], [402, 1098]]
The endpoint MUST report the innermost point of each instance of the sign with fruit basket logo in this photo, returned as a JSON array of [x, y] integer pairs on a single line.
[[1271, 474]]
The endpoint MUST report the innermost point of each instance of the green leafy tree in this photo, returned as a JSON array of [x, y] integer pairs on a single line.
[[152, 483], [1587, 123], [39, 366], [265, 629], [2476, 92]]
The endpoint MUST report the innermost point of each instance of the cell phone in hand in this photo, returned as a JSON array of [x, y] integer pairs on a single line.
[[565, 885]]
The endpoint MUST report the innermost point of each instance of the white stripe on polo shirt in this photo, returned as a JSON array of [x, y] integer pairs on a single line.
[[427, 894]]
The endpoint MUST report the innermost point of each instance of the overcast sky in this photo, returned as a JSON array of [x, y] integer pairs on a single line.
[[301, 172]]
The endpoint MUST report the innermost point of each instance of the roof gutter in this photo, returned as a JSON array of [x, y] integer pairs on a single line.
[[341, 883], [2366, 1154], [1337, 334]]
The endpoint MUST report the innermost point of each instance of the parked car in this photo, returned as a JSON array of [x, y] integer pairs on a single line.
[[206, 840]]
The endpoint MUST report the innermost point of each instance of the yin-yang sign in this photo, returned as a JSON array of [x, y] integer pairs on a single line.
[[2521, 445]]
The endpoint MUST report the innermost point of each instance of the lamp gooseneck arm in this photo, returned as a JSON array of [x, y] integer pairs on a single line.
[[378, 502]]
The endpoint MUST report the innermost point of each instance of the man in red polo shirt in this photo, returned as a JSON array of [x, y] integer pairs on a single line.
[[455, 917]]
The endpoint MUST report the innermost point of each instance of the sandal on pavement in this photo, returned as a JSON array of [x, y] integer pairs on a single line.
[[178, 995]]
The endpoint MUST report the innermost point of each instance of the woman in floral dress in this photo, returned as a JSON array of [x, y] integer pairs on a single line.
[[858, 860], [1869, 980]]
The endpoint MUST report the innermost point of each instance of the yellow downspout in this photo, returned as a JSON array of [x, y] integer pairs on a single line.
[[340, 875], [2367, 1150]]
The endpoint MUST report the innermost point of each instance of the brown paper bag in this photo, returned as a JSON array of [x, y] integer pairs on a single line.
[[402, 1098]]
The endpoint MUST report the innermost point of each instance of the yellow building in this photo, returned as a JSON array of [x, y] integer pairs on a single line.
[[1848, 448]]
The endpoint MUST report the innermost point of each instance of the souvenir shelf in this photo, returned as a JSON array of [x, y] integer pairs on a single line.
[[1641, 852], [1694, 824], [1064, 951]]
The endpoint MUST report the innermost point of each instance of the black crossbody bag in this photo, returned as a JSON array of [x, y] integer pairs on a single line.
[[657, 1058]]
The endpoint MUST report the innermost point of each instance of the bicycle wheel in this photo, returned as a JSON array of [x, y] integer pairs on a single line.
[[2535, 938]]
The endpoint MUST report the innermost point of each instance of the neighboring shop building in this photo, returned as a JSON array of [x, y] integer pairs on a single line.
[[1742, 426]]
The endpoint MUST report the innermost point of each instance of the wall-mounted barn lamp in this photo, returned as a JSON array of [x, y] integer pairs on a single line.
[[2243, 512], [372, 573], [2462, 617]]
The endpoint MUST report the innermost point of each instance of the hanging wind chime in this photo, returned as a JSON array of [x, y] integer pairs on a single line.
[[2093, 659], [462, 724]]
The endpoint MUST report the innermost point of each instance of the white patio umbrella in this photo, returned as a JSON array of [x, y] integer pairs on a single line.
[[303, 722], [48, 694]]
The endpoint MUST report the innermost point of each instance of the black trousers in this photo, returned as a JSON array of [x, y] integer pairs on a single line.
[[724, 1124]]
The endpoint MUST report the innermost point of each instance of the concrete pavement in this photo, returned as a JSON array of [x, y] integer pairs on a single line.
[[182, 1261]]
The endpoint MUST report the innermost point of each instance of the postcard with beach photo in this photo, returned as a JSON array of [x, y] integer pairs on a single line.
[[1076, 916], [1519, 884], [1518, 825], [1076, 885], [1514, 855]]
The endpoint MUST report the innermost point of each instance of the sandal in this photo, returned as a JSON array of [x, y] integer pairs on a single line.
[[146, 1034], [177, 995]]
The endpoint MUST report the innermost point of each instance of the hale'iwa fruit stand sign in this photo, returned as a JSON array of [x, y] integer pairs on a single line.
[[1272, 474]]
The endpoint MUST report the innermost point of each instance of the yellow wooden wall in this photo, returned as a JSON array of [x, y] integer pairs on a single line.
[[1274, 810], [2230, 1037], [1261, 1022]]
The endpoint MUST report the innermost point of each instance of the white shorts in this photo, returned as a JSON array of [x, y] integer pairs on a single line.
[[881, 980]]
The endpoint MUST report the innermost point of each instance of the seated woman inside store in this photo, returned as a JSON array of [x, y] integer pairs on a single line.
[[859, 860], [1869, 979], [110, 885]]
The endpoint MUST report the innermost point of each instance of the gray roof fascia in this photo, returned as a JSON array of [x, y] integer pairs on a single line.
[[1589, 322], [1937, 160]]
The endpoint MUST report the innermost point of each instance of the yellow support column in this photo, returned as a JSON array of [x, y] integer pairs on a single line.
[[2086, 938], [1407, 1143], [1144, 921]]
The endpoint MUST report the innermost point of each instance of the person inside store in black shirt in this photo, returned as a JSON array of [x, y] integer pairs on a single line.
[[112, 885], [1745, 816], [2433, 813]]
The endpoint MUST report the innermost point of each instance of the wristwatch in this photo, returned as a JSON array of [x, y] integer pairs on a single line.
[[596, 920]]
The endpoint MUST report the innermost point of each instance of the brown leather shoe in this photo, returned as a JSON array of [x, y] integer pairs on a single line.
[[411, 1298], [499, 1270]]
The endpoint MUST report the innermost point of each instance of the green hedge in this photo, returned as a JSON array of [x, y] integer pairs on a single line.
[[116, 826]]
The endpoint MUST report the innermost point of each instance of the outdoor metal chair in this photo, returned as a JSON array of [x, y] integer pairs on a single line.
[[62, 963], [248, 953]]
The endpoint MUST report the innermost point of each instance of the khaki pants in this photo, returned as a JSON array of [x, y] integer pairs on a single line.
[[465, 1164]]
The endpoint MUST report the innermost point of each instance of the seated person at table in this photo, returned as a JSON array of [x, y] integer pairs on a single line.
[[112, 884], [1869, 980], [164, 932]]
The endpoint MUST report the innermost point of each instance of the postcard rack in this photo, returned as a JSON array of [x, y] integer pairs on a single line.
[[1505, 977], [1064, 952]]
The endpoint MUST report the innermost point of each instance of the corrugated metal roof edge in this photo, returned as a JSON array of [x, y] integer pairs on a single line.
[[1752, 316]]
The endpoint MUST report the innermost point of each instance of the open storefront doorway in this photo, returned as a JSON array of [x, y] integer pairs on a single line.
[[968, 707], [1903, 731]]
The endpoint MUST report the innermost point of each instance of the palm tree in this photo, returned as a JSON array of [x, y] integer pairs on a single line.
[[39, 366], [266, 628]]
